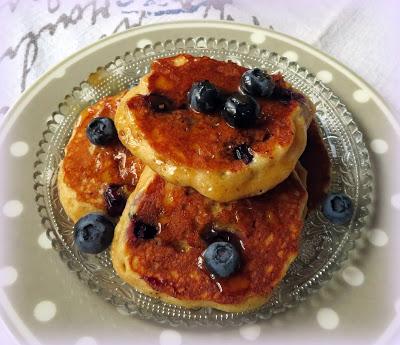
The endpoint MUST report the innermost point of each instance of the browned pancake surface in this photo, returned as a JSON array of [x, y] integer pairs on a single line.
[[199, 150], [268, 228], [207, 141], [88, 169]]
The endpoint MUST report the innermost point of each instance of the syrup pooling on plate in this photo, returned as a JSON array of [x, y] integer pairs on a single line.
[[90, 169]]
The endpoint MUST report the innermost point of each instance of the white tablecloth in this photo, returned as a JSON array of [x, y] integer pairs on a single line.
[[37, 34]]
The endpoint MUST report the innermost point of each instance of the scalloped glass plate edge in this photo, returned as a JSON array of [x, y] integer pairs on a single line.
[[351, 174]]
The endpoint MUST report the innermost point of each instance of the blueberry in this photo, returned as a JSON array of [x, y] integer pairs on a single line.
[[241, 111], [257, 83], [338, 208], [143, 230], [221, 259], [159, 103], [244, 153], [204, 97], [101, 131], [93, 233], [115, 200]]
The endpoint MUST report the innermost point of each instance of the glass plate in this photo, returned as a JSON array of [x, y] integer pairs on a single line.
[[323, 246]]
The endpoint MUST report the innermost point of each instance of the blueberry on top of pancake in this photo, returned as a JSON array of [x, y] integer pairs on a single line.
[[196, 148], [97, 173], [179, 261]]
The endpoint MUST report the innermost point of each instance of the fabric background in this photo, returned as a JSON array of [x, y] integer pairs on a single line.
[[36, 34]]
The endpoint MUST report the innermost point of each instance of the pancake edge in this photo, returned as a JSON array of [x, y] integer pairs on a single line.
[[120, 259], [219, 185]]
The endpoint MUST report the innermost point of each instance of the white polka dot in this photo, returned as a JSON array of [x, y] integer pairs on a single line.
[[144, 42], [325, 76], [170, 337], [361, 96], [353, 276], [257, 37], [396, 201], [86, 341], [8, 276], [19, 148], [291, 55], [12, 208], [327, 318], [43, 241], [250, 332], [378, 237], [45, 311], [379, 146]]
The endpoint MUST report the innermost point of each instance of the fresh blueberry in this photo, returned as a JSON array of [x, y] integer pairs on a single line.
[[143, 230], [338, 208], [115, 200], [93, 233], [221, 259], [101, 131], [257, 83], [159, 103], [204, 97], [241, 111], [243, 152]]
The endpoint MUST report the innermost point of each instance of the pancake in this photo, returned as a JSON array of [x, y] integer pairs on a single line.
[[87, 170], [170, 266], [315, 159], [188, 148]]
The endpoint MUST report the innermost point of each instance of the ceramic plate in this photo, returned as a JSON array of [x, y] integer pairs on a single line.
[[42, 301]]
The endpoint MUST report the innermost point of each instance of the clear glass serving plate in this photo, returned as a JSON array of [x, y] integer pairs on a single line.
[[324, 246]]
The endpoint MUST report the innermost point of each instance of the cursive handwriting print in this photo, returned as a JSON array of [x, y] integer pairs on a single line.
[[43, 32]]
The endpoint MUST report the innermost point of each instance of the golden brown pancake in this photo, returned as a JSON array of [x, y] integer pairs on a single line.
[[170, 266], [87, 170], [196, 150]]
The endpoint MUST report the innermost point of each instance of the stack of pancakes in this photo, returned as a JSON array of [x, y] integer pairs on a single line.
[[181, 175]]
